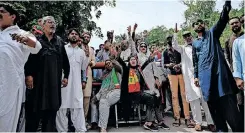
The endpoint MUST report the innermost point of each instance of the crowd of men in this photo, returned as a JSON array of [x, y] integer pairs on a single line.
[[43, 77]]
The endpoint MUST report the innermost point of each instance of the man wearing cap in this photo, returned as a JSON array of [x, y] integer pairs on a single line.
[[15, 47], [193, 93], [212, 73], [172, 60]]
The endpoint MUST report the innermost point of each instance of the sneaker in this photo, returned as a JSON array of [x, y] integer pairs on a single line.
[[164, 126], [151, 128]]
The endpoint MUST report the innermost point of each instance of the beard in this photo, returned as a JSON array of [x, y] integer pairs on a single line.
[[200, 30], [73, 40], [236, 29]]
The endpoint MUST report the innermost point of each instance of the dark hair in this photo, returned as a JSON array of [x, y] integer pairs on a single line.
[[236, 17], [198, 20], [73, 29], [10, 8]]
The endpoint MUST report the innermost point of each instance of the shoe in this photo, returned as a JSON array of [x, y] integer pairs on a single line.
[[212, 128], [94, 126], [102, 130], [164, 126], [198, 127], [177, 123], [189, 124], [151, 128]]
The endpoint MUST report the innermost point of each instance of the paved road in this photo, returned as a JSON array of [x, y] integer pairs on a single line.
[[168, 121]]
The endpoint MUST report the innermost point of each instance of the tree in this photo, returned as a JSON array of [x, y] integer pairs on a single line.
[[68, 14]]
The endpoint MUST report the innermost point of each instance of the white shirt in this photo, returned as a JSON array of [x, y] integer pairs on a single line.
[[13, 56], [72, 94], [192, 92]]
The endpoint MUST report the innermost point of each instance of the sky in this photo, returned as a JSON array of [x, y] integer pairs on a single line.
[[146, 13]]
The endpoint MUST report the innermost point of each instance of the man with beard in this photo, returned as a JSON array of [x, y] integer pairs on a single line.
[[172, 60], [212, 73], [90, 58], [72, 95], [15, 47], [193, 93], [236, 28], [46, 71], [109, 92]]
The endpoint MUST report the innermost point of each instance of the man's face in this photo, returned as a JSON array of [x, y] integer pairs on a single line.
[[108, 65], [124, 44], [86, 38], [39, 21], [102, 46], [133, 61], [6, 19], [235, 25], [143, 48], [49, 26], [199, 26], [107, 45], [188, 38], [73, 37]]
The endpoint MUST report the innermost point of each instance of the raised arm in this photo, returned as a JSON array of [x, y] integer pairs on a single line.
[[195, 61], [131, 42], [176, 45], [223, 20]]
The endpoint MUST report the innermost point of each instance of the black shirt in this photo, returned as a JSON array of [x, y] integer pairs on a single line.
[[172, 56]]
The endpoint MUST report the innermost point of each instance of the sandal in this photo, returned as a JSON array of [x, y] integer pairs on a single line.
[[177, 123], [198, 127], [102, 130], [189, 124]]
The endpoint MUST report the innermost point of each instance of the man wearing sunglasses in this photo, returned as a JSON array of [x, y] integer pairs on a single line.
[[212, 74], [193, 93]]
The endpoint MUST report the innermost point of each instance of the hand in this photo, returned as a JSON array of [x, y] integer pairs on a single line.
[[83, 85], [157, 83], [176, 28], [90, 63], [239, 83], [64, 82], [176, 67], [171, 65], [129, 29], [135, 26], [94, 99], [19, 38], [228, 5], [29, 82], [196, 82]]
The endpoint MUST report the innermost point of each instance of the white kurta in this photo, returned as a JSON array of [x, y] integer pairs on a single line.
[[13, 57], [72, 94], [192, 92]]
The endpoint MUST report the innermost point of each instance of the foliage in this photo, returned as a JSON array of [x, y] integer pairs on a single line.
[[68, 14], [204, 10]]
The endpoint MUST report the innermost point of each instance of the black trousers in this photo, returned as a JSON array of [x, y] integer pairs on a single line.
[[223, 110], [47, 118]]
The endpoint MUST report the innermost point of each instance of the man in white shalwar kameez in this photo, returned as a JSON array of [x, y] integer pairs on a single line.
[[72, 94], [15, 47], [193, 93]]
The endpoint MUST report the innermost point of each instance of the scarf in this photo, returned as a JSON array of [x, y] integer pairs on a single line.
[[112, 76], [133, 82]]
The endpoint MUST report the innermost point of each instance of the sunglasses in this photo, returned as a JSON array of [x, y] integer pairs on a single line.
[[198, 23], [143, 46]]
